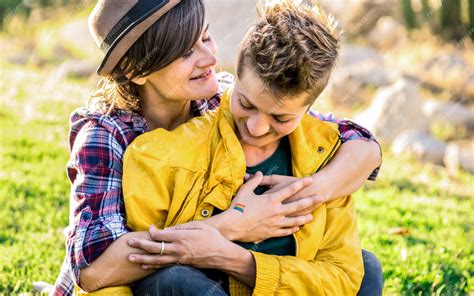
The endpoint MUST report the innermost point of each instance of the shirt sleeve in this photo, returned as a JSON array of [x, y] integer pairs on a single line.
[[349, 131], [97, 209]]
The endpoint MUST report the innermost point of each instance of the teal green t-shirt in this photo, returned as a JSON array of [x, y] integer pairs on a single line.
[[277, 164]]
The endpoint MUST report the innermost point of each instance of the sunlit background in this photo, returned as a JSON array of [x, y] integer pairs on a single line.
[[406, 72]]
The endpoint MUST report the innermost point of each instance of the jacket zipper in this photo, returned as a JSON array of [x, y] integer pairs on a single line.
[[331, 154], [326, 160]]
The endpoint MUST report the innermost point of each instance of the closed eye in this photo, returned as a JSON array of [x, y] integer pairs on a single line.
[[248, 107]]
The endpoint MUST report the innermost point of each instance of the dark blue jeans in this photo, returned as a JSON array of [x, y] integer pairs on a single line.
[[188, 281]]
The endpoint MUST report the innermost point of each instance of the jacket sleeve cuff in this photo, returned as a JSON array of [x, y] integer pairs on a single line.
[[267, 274]]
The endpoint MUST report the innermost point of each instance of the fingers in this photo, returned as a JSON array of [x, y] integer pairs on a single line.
[[163, 235], [153, 259], [291, 189], [152, 247], [285, 231], [292, 222], [304, 204], [272, 180], [253, 182], [318, 201]]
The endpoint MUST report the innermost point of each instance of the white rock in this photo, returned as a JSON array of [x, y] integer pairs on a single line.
[[453, 113], [460, 155], [420, 145], [448, 71], [393, 110], [386, 33], [43, 287], [358, 55]]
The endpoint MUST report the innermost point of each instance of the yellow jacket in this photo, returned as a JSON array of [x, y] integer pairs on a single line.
[[173, 177]]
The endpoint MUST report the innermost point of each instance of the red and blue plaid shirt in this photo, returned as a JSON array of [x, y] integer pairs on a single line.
[[97, 144]]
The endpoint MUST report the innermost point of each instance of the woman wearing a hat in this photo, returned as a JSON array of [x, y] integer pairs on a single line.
[[158, 70]]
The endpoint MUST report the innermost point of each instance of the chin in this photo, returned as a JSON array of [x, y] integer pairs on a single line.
[[206, 91], [257, 143]]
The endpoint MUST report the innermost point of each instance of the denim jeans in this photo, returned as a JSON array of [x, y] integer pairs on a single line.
[[188, 281], [178, 280], [372, 283]]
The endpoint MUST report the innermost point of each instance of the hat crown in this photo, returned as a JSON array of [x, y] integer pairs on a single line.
[[106, 17]]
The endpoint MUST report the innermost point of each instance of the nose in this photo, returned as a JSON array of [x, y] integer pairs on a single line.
[[257, 125], [207, 57]]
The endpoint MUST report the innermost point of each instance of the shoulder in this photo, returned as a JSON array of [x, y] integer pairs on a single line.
[[182, 147], [320, 126], [92, 126], [185, 147]]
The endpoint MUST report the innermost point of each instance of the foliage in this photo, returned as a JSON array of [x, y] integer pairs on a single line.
[[448, 20]]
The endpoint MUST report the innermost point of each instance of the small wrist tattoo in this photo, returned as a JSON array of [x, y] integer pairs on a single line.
[[239, 207]]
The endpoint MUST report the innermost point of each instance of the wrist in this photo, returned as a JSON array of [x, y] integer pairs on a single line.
[[323, 186], [236, 259], [223, 223]]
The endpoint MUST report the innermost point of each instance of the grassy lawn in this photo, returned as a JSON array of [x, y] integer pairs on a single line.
[[415, 217]]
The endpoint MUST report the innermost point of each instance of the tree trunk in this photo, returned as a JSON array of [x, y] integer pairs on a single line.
[[427, 14], [471, 19], [451, 14], [408, 14]]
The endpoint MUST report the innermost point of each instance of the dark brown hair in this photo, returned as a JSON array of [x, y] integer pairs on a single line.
[[168, 39], [292, 48]]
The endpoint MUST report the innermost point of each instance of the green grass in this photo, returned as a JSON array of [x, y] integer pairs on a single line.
[[434, 257]]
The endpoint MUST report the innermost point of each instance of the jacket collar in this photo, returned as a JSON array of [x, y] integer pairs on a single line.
[[312, 144]]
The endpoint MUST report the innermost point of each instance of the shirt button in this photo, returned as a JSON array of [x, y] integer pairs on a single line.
[[205, 213], [320, 149]]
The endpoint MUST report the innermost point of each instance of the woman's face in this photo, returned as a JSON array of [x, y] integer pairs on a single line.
[[259, 118], [191, 77]]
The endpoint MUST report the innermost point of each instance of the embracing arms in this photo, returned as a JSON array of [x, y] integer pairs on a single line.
[[95, 169]]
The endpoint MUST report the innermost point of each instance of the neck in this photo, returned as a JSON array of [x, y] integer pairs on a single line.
[[160, 112], [256, 155]]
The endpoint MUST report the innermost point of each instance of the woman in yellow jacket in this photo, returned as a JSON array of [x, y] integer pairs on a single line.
[[285, 60]]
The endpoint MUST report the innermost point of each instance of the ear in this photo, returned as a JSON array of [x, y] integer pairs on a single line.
[[139, 80]]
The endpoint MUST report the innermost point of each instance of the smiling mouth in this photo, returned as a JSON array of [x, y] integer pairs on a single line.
[[204, 75]]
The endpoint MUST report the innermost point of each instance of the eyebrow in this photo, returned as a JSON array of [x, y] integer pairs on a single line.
[[207, 28], [273, 114]]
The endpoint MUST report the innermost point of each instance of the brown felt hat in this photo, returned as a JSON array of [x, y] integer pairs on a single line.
[[115, 25]]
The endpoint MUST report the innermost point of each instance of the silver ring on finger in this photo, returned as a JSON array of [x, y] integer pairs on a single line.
[[162, 248]]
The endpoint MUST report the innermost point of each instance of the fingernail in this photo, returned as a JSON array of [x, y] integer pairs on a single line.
[[132, 258], [145, 266], [131, 242]]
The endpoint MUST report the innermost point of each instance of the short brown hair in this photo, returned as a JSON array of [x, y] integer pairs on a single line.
[[291, 47], [168, 39]]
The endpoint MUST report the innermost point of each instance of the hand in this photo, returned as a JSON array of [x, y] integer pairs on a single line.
[[253, 218], [313, 191], [195, 244]]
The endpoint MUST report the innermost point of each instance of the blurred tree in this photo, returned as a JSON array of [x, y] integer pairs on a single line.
[[8, 8], [408, 14], [447, 21], [451, 23], [425, 5], [471, 18]]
